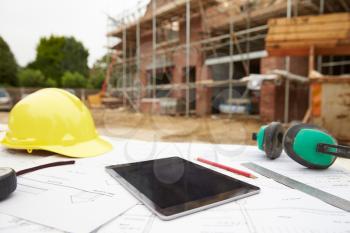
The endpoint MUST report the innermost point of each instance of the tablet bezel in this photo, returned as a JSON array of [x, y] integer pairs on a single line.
[[184, 208]]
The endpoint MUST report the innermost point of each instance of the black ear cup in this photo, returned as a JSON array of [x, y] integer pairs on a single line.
[[288, 142], [273, 138]]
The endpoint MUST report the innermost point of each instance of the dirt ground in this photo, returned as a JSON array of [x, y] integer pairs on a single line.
[[213, 129]]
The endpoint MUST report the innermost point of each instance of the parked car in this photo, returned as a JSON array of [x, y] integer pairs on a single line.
[[5, 100]]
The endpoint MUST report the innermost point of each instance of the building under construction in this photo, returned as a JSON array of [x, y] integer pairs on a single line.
[[199, 56]]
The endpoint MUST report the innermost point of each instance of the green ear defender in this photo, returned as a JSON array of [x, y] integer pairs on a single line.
[[312, 147], [269, 139]]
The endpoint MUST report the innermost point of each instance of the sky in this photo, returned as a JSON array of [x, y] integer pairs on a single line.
[[24, 22]]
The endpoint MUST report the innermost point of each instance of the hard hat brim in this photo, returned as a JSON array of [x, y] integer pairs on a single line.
[[85, 149], [90, 148]]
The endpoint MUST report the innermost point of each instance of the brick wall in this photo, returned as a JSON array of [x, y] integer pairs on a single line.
[[298, 65], [272, 95], [202, 95]]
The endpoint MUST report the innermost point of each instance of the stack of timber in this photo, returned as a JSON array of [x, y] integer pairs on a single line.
[[327, 34]]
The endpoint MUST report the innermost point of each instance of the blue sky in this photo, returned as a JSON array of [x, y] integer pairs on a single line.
[[23, 22]]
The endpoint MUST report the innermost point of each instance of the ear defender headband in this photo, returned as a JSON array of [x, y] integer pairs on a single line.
[[306, 144], [269, 139]]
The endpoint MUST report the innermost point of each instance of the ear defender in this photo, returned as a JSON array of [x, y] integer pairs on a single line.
[[312, 147], [269, 139]]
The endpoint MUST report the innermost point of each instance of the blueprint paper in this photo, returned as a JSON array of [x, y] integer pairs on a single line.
[[276, 209], [286, 213], [10, 224], [71, 198], [335, 180], [20, 159]]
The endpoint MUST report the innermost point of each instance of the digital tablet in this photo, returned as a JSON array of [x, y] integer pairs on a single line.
[[174, 187]]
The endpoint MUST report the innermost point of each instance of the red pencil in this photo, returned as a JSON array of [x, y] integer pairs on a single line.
[[227, 168]]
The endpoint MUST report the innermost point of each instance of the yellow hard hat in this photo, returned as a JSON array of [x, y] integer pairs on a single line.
[[54, 120]]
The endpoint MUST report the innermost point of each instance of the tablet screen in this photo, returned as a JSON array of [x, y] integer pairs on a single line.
[[174, 181]]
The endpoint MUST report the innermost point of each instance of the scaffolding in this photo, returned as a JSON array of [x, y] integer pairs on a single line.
[[225, 35]]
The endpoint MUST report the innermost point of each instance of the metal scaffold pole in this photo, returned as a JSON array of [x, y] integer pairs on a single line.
[[138, 61], [319, 58], [124, 64], [287, 66], [130, 79], [108, 52], [188, 28], [231, 67], [247, 9], [154, 47]]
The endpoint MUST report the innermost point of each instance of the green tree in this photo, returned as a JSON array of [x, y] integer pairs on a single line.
[[8, 65], [98, 73], [96, 79], [50, 83], [58, 54], [73, 80], [31, 78]]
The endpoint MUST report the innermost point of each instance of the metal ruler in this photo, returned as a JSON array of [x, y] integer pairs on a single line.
[[294, 184]]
